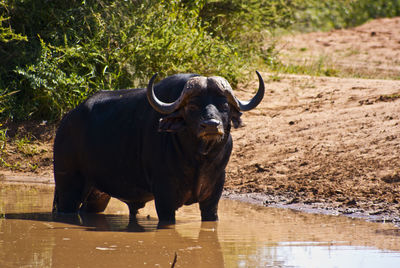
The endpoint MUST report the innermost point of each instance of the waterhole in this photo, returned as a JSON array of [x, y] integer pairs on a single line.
[[246, 236]]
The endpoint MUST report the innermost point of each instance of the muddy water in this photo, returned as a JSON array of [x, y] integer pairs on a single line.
[[245, 236]]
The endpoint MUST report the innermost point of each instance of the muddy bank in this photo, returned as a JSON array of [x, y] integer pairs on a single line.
[[325, 208], [322, 142]]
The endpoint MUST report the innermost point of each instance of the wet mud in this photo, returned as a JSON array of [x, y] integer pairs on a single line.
[[323, 208]]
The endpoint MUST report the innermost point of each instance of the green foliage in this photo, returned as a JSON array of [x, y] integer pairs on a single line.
[[236, 18], [363, 10], [6, 32], [3, 144], [75, 48], [52, 90], [3, 138]]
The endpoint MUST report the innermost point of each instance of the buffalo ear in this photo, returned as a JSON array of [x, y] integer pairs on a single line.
[[235, 117], [171, 123]]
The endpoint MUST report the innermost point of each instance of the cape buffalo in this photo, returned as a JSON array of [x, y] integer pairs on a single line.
[[170, 142]]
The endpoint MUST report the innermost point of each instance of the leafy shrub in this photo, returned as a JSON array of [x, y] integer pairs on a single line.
[[363, 10], [51, 90], [75, 48]]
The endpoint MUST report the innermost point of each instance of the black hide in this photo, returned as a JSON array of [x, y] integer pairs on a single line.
[[115, 144]]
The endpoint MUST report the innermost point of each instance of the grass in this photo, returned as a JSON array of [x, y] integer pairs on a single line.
[[333, 64], [25, 146], [3, 138], [314, 67], [19, 153], [3, 144]]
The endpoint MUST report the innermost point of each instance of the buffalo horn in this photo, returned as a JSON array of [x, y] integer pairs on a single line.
[[251, 104], [167, 108], [159, 106]]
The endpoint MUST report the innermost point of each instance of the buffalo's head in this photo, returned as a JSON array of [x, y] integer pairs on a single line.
[[206, 107]]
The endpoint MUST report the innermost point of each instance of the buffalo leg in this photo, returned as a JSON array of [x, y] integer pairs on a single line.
[[165, 213], [134, 208], [209, 210], [69, 193], [210, 213], [95, 202], [209, 207], [165, 204], [133, 211]]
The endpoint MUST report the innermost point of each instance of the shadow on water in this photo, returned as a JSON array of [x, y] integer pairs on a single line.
[[92, 222]]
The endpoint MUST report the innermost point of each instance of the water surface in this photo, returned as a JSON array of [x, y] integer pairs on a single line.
[[246, 236]]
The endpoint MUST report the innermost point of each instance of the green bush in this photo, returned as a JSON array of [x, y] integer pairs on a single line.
[[75, 48], [363, 10]]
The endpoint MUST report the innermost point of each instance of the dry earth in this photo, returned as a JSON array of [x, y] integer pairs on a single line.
[[330, 143], [371, 50], [323, 143]]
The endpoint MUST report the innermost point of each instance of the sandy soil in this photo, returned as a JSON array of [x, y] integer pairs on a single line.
[[369, 50], [327, 142], [322, 144]]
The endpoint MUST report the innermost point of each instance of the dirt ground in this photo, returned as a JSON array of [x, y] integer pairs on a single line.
[[371, 50], [324, 143], [330, 143]]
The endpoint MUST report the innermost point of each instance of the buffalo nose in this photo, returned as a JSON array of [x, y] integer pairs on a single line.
[[210, 123]]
